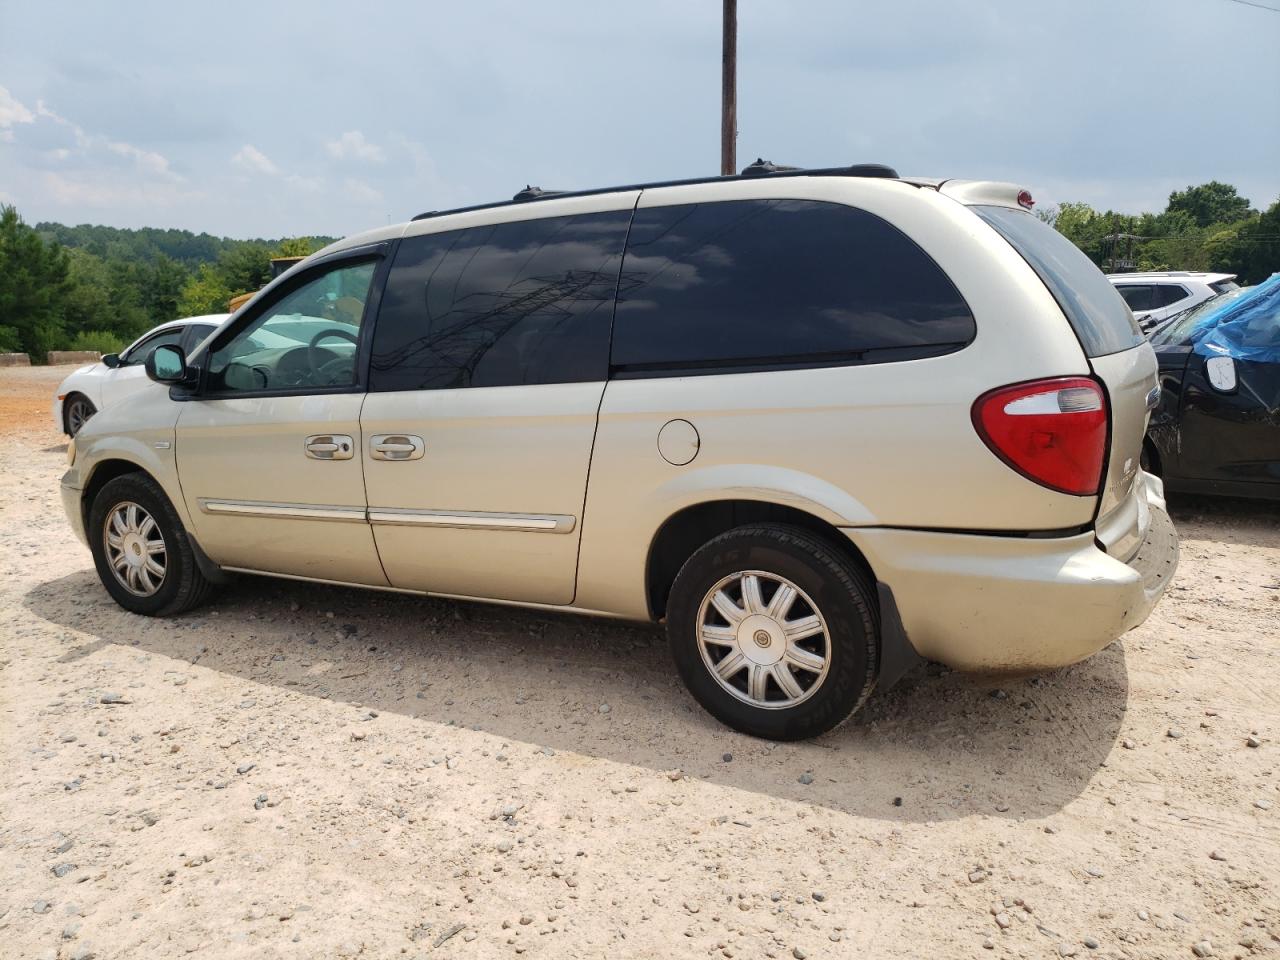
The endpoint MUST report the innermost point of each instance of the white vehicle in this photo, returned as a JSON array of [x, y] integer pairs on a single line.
[[105, 383], [1157, 296]]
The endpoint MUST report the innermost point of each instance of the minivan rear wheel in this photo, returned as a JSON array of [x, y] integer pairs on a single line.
[[774, 631]]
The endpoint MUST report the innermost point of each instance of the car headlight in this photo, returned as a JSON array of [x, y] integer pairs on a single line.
[[71, 452]]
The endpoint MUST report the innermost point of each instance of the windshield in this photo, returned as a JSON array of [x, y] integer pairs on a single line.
[[1177, 332], [1101, 319]]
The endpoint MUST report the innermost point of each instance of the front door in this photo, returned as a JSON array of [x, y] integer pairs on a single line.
[[268, 453], [489, 361]]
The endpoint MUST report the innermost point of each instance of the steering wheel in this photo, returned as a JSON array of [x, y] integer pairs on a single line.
[[241, 376], [323, 371]]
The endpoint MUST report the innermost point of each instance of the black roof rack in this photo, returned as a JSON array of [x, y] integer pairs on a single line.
[[761, 168], [534, 193]]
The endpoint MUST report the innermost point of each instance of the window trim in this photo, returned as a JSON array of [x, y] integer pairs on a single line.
[[800, 361], [126, 358], [283, 286]]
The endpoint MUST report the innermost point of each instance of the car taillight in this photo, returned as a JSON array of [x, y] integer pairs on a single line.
[[1051, 431]]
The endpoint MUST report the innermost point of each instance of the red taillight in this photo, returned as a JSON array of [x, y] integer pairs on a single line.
[[1051, 431], [1024, 199]]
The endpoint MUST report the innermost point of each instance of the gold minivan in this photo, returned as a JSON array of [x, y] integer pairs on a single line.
[[822, 423]]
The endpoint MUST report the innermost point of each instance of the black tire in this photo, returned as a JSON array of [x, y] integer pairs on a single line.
[[183, 586], [1148, 460], [71, 401], [840, 591]]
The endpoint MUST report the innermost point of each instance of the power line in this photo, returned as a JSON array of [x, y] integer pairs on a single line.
[[1260, 6]]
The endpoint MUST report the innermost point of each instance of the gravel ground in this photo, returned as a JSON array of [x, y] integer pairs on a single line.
[[302, 771]]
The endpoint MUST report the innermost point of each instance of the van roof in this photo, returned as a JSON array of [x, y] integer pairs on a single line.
[[754, 171]]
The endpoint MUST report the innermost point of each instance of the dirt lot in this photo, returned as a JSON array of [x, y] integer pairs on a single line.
[[299, 771]]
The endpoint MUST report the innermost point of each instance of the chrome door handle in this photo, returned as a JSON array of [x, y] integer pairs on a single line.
[[329, 446], [396, 446]]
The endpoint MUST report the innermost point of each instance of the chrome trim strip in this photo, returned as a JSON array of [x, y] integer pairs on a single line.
[[469, 520], [295, 511], [461, 519]]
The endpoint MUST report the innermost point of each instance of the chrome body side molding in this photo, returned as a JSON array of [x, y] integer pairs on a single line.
[[533, 522], [463, 519], [292, 511]]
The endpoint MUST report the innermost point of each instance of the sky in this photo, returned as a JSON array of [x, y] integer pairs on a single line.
[[290, 118]]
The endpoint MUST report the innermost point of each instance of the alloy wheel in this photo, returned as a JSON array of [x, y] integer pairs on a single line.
[[763, 639], [135, 549], [78, 412]]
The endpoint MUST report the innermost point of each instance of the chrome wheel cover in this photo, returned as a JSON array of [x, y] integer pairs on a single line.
[[764, 640], [135, 549]]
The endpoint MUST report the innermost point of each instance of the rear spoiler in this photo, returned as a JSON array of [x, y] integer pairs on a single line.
[[990, 193]]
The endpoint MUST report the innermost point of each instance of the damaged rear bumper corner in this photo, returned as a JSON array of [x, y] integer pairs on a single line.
[[1018, 605]]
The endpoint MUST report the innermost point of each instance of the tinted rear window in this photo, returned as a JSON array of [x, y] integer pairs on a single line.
[[1096, 312], [766, 283]]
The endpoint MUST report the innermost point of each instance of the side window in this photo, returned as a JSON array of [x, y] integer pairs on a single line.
[[1139, 296], [1167, 294], [306, 339], [138, 355], [514, 303], [768, 282]]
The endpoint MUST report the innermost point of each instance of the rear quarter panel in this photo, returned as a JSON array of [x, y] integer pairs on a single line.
[[879, 444]]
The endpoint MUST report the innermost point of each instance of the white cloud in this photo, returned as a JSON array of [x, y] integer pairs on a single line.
[[353, 146], [306, 184], [77, 192], [360, 191], [147, 161], [12, 111], [254, 160]]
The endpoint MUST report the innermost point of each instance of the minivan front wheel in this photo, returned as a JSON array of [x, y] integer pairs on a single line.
[[141, 549], [774, 631]]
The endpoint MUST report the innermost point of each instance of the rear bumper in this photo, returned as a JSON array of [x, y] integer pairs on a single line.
[[993, 604]]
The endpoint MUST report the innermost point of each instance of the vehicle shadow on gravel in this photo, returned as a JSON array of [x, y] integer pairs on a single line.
[[939, 746], [1248, 521]]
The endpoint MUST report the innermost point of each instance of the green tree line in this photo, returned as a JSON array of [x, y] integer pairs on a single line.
[[98, 288], [1205, 227]]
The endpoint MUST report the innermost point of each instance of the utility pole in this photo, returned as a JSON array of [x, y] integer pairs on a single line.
[[729, 90]]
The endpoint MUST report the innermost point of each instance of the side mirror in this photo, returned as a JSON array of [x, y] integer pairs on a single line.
[[111, 360], [167, 364], [1222, 373]]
